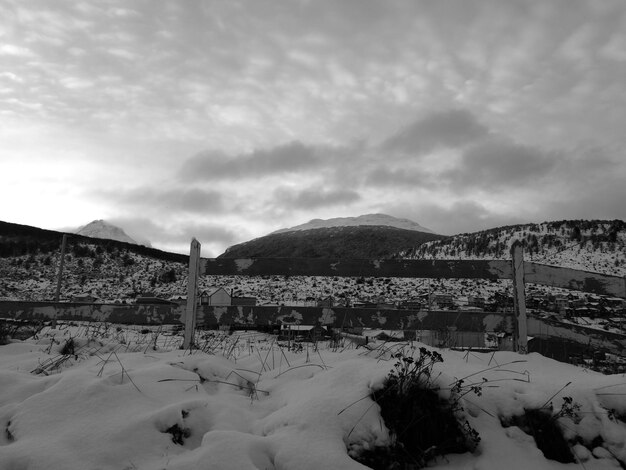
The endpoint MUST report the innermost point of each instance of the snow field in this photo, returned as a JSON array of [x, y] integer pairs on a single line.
[[248, 402]]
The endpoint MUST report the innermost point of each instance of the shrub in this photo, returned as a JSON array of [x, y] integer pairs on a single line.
[[543, 425], [422, 424]]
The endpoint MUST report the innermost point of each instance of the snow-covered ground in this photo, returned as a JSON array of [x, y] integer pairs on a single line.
[[130, 399]]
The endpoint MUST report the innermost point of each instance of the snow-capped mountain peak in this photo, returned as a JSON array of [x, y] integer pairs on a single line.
[[367, 219], [102, 229]]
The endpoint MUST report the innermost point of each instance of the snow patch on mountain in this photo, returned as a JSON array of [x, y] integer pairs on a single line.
[[105, 230], [367, 219]]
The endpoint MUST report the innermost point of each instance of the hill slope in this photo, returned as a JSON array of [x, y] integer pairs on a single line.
[[590, 245], [106, 269], [365, 241]]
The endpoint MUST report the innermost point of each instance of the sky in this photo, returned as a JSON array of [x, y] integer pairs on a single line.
[[227, 120]]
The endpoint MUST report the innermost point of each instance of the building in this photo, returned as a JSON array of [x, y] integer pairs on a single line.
[[561, 304], [326, 302], [475, 301], [84, 298], [216, 296], [178, 299], [304, 332], [413, 304], [443, 300]]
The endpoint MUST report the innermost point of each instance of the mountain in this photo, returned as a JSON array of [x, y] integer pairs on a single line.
[[589, 245], [381, 220], [108, 269], [368, 236], [105, 230]]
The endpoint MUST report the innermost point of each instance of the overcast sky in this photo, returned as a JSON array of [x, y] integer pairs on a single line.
[[226, 120]]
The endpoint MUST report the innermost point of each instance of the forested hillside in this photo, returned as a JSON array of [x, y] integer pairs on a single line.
[[591, 245]]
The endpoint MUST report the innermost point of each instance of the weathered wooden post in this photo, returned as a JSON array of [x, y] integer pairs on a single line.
[[192, 287], [520, 331], [57, 294]]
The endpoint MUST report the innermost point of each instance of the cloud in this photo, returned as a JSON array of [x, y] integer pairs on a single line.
[[453, 128], [314, 197], [592, 187], [382, 176], [457, 217], [287, 158], [177, 237], [293, 158], [498, 163], [155, 200], [13, 50]]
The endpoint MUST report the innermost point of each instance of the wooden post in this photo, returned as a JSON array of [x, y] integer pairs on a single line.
[[520, 335], [57, 294], [192, 287]]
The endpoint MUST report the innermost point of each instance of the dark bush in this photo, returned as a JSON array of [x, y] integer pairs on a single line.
[[423, 425]]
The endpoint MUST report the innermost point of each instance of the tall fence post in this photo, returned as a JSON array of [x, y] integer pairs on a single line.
[[192, 287], [520, 330], [57, 294]]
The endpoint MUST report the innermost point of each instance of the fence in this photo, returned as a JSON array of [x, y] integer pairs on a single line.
[[516, 270]]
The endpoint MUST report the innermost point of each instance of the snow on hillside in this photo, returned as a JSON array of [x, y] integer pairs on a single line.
[[105, 230], [130, 399], [107, 274], [368, 219], [598, 246], [111, 273]]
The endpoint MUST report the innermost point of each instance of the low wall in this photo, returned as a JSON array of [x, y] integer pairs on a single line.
[[212, 316]]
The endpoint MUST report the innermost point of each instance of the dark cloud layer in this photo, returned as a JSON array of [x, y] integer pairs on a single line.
[[314, 198], [453, 128], [465, 216], [288, 158], [496, 163], [382, 176], [187, 200], [527, 179]]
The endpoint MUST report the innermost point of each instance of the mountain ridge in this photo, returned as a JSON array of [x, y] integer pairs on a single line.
[[376, 219], [110, 270], [363, 241], [102, 229]]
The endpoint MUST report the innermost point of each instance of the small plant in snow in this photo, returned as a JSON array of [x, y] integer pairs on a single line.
[[409, 372], [422, 424], [570, 409]]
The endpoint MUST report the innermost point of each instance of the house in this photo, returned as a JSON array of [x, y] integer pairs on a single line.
[[533, 303], [443, 300], [216, 296], [326, 302], [475, 301], [615, 303], [561, 304], [178, 299], [304, 332], [84, 298], [412, 304]]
